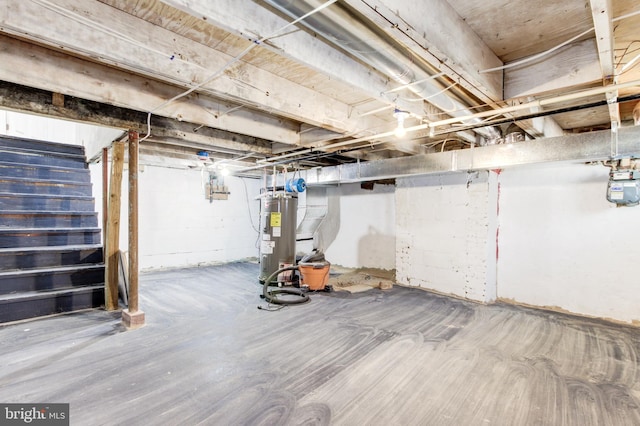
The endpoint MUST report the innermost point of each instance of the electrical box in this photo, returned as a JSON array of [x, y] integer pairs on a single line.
[[215, 189], [624, 187]]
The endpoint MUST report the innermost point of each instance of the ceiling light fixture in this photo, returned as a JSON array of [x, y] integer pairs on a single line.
[[400, 116]]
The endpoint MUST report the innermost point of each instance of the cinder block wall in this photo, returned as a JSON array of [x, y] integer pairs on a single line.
[[445, 231], [560, 244]]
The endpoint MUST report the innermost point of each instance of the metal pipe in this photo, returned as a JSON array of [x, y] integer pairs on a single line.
[[469, 127], [532, 104]]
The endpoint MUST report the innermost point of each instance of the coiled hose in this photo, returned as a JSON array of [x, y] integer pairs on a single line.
[[270, 296]]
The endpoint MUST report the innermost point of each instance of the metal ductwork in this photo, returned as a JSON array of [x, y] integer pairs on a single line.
[[583, 147], [350, 34]]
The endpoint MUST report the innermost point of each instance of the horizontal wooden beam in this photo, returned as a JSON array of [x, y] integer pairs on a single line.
[[58, 72], [572, 66], [37, 101], [244, 19], [110, 36], [433, 31]]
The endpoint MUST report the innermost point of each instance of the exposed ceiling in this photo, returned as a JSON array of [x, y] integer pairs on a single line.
[[323, 90]]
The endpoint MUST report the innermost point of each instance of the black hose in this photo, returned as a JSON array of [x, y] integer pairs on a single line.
[[270, 296]]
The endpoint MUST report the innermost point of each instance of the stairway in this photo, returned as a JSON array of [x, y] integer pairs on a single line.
[[51, 259]]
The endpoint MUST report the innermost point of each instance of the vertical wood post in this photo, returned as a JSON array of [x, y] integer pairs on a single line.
[[133, 317], [113, 227], [105, 193], [133, 221]]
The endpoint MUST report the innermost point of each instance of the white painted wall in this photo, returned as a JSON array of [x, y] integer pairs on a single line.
[[179, 227], [366, 237], [36, 127], [445, 234], [563, 245], [93, 138]]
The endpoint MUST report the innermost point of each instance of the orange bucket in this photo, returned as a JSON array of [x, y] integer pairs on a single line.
[[315, 275]]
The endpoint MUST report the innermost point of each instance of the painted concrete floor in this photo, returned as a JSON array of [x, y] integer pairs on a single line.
[[399, 357]]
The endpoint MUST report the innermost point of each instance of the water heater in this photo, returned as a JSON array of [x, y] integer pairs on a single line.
[[278, 233]]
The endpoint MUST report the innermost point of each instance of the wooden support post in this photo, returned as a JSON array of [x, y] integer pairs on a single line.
[[133, 317], [112, 245], [133, 221], [105, 193]]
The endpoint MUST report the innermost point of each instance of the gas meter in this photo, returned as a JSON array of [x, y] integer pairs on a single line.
[[624, 183]]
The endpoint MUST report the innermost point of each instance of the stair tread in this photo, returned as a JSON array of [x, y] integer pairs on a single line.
[[47, 181], [71, 268], [50, 248], [46, 293], [54, 145], [44, 153], [29, 165], [29, 195], [66, 229], [56, 212]]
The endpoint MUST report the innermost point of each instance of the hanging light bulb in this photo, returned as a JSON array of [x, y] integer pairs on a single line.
[[400, 116]]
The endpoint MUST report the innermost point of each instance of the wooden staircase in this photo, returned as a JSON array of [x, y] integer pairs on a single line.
[[51, 259]]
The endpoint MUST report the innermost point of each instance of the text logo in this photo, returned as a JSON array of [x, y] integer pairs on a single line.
[[34, 414]]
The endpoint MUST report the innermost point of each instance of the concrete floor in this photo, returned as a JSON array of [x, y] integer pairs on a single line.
[[399, 357]]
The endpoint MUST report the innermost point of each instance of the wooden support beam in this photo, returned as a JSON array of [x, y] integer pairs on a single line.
[[27, 99], [133, 317], [58, 72], [602, 12], [574, 66], [435, 32], [244, 19], [126, 45], [112, 246]]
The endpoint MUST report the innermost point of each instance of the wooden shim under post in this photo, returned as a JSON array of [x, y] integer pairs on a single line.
[[112, 241]]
